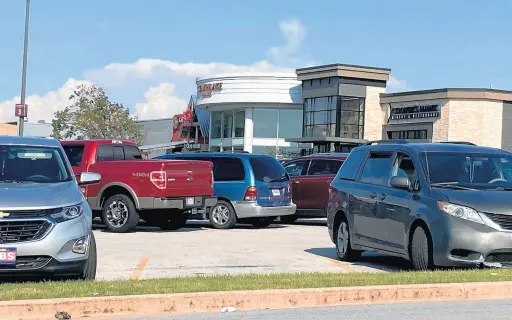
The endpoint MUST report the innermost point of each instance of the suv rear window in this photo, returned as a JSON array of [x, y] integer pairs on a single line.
[[74, 154], [268, 169]]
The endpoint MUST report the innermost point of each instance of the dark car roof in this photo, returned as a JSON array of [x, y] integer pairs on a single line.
[[435, 147]]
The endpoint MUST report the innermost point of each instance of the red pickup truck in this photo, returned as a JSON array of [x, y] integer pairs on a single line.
[[162, 192]]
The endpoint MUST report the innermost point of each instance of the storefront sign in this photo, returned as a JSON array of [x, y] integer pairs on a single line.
[[206, 90], [415, 112]]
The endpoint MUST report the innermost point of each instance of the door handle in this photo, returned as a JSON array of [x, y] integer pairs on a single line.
[[373, 195], [382, 196]]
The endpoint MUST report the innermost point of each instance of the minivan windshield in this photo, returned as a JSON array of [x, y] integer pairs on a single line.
[[473, 170], [268, 169], [20, 164]]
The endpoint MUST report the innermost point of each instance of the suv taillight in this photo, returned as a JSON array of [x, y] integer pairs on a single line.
[[159, 179], [250, 194]]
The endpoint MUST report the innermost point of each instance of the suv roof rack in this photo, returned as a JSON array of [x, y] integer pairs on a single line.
[[459, 142], [398, 141]]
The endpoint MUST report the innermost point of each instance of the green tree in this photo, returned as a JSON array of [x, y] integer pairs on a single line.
[[91, 115]]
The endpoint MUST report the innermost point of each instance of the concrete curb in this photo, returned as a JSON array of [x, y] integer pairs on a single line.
[[182, 303]]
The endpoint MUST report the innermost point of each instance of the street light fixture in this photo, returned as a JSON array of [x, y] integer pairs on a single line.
[[23, 114]]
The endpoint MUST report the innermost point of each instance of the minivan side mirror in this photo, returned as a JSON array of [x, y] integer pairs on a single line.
[[89, 178], [401, 182]]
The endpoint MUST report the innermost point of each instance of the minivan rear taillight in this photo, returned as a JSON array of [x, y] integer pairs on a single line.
[[250, 194], [159, 179]]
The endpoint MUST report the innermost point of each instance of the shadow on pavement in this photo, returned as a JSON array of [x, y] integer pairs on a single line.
[[368, 259]]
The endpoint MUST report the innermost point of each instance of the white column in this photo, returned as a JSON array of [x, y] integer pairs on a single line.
[[248, 130]]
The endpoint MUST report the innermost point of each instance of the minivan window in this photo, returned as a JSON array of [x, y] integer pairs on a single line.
[[268, 169], [324, 167], [297, 168], [351, 165], [32, 164], [470, 169], [227, 169], [377, 169], [74, 154]]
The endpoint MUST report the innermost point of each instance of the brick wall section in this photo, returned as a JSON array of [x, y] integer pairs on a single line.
[[476, 121], [374, 118], [441, 125]]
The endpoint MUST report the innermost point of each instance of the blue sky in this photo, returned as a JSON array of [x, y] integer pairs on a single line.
[[427, 44]]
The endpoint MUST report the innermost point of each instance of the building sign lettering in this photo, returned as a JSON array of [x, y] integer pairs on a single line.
[[415, 112], [207, 89], [193, 146]]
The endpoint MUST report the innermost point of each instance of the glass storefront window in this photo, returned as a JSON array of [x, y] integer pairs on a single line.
[[265, 123], [239, 123], [216, 124], [227, 125], [290, 123]]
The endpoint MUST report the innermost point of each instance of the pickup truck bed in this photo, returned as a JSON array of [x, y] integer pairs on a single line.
[[162, 192]]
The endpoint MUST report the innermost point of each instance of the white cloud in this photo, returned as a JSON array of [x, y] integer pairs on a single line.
[[161, 102], [395, 84], [289, 53], [41, 107]]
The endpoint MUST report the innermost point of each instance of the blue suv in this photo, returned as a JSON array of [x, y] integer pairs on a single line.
[[250, 188]]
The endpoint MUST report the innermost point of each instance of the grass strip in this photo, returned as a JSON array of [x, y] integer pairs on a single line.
[[73, 289]]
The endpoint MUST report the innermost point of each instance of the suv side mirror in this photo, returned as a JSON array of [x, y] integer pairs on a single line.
[[401, 182], [89, 178]]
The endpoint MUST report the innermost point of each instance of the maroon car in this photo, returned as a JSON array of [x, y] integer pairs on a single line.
[[311, 176]]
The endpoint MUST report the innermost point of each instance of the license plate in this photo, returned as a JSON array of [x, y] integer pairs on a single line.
[[275, 192], [7, 256], [190, 201]]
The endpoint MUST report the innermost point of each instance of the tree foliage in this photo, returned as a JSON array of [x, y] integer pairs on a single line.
[[91, 115]]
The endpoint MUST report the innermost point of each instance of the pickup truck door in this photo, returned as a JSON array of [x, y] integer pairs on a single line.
[[315, 185]]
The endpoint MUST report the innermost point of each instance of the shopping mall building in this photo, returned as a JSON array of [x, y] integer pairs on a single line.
[[334, 108]]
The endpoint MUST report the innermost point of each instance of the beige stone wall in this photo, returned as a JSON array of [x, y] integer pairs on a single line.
[[373, 117], [8, 129], [476, 121]]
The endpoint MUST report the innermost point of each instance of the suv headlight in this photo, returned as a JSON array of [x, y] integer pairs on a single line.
[[461, 212], [67, 213]]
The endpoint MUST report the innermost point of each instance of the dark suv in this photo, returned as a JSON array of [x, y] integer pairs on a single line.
[[435, 204]]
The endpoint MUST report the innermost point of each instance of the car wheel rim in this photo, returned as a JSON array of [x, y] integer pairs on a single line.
[[220, 214], [117, 214], [343, 238]]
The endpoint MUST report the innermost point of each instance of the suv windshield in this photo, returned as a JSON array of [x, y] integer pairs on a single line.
[[475, 170], [268, 169], [32, 164]]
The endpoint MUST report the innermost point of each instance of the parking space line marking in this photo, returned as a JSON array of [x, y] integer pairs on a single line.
[[345, 266], [143, 262]]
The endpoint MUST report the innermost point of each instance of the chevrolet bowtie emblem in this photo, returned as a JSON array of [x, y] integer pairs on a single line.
[[4, 214]]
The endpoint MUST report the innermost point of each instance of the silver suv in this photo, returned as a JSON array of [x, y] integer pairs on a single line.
[[45, 221]]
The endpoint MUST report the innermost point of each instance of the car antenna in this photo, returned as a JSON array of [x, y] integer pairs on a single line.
[[428, 171]]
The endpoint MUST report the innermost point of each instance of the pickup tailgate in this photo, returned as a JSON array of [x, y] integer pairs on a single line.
[[177, 178]]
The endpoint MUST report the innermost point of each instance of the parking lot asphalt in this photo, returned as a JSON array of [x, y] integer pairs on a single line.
[[199, 249]]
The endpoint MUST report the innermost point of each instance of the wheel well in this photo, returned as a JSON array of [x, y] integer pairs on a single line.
[[218, 198], [337, 220], [113, 190], [420, 223]]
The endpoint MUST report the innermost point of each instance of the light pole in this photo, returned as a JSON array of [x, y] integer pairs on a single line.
[[24, 71]]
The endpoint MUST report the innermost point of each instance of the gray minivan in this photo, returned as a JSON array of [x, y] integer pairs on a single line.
[[45, 221]]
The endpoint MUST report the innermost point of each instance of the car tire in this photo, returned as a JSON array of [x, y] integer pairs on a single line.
[[222, 215], [420, 250], [343, 243], [262, 222], [89, 272], [128, 217], [289, 219]]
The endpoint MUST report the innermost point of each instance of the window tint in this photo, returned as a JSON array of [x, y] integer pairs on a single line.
[[74, 154], [324, 167], [351, 165], [227, 169], [118, 153], [105, 153], [377, 169], [297, 168], [132, 153], [268, 169]]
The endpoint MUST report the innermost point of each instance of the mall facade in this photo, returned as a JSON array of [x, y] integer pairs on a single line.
[[334, 108]]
